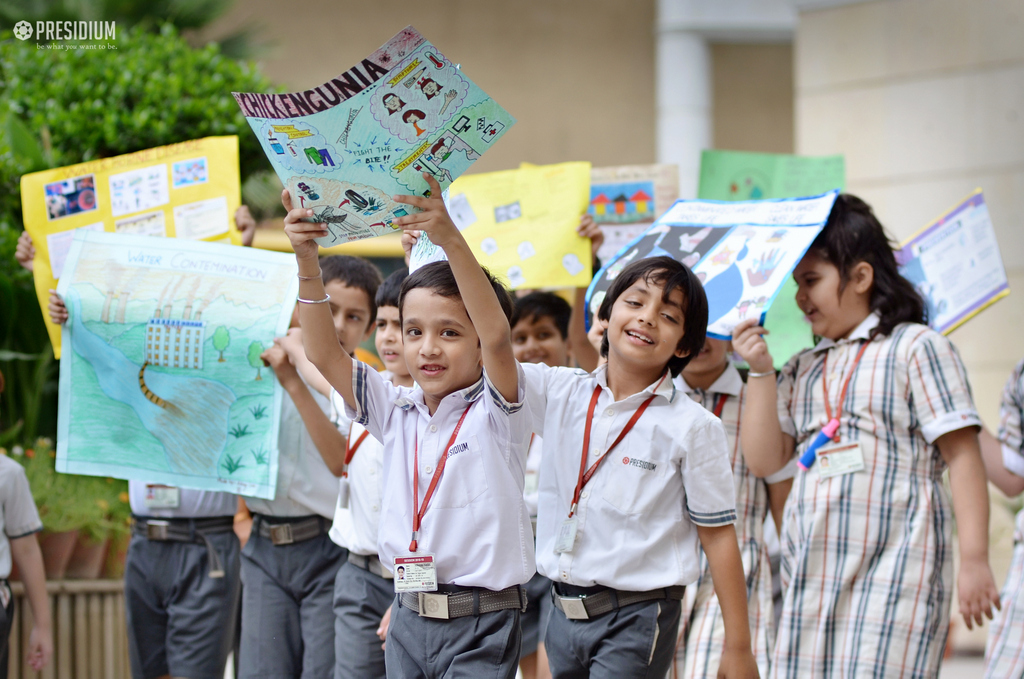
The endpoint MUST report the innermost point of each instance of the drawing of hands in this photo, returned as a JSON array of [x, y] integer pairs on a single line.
[[449, 97]]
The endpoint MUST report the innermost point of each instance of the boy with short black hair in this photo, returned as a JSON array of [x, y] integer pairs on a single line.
[[289, 563], [453, 516], [540, 329], [621, 549]]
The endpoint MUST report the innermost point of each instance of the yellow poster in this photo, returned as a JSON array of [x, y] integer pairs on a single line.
[[521, 224], [187, 190]]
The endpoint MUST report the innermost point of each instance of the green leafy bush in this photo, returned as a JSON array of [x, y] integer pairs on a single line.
[[64, 107]]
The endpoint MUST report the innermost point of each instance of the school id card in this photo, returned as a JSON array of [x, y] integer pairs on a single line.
[[415, 573], [162, 497], [840, 458]]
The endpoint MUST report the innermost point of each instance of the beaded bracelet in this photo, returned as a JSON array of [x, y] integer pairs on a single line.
[[318, 276], [326, 298]]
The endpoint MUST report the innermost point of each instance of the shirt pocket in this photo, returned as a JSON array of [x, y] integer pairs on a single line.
[[465, 478], [633, 485]]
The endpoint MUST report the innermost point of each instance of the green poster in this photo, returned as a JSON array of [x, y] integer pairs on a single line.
[[738, 175]]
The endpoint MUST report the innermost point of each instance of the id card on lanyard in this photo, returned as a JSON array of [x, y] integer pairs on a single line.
[[162, 497], [848, 457], [566, 540], [418, 572]]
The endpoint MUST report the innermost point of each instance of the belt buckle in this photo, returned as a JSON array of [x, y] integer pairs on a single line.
[[157, 530], [433, 605], [281, 534], [574, 608]]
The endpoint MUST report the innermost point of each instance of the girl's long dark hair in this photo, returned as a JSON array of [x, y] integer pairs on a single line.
[[853, 234]]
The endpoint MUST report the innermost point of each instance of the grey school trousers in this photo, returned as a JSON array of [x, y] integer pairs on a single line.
[[636, 641], [287, 608], [475, 646], [360, 601]]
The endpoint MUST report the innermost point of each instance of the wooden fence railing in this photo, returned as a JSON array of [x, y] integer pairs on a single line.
[[89, 637]]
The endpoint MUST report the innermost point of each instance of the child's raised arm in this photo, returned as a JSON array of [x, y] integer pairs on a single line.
[[766, 449], [587, 357], [481, 303], [319, 338]]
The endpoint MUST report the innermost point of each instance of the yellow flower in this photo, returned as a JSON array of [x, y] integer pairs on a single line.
[[103, 504], [123, 496]]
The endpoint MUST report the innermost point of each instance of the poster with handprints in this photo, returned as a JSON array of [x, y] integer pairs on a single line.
[[345, 147], [743, 252], [955, 264], [521, 224]]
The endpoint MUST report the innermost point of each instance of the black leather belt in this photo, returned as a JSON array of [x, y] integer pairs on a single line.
[[370, 563], [451, 601], [286, 531], [187, 530], [584, 603]]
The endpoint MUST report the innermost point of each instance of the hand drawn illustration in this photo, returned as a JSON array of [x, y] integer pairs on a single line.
[[624, 200], [955, 264], [346, 147], [157, 383], [743, 252]]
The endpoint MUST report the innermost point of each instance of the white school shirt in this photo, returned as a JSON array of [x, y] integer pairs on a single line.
[[532, 488], [355, 527], [305, 485], [18, 515], [637, 515], [192, 504], [476, 525]]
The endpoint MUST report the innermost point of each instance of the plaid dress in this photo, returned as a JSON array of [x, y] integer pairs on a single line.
[[867, 560], [702, 632], [1005, 650]]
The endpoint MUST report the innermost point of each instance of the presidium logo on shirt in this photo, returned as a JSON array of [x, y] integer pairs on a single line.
[[640, 464]]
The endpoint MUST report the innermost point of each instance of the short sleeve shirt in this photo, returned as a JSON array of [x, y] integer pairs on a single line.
[[18, 515], [637, 516], [477, 525], [1011, 416]]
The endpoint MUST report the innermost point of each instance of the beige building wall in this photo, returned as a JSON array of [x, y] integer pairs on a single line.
[[752, 97], [577, 74], [926, 100]]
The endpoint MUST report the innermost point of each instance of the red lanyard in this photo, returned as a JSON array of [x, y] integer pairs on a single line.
[[418, 513], [587, 474], [842, 393], [351, 452], [720, 404]]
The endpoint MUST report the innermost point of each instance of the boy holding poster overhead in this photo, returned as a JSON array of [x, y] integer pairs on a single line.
[[453, 525]]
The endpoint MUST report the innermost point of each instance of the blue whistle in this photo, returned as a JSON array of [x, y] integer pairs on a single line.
[[823, 437]]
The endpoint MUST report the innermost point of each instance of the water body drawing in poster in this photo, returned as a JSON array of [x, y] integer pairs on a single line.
[[955, 264], [743, 252], [163, 381], [346, 147]]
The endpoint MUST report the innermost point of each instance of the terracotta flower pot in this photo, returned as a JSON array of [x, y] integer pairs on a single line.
[[87, 560], [57, 549]]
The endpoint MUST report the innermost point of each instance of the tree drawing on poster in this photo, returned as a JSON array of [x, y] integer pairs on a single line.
[[346, 147], [159, 382], [624, 200], [738, 175], [742, 252]]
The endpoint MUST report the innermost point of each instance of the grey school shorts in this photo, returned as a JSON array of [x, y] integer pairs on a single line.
[[538, 611], [180, 620]]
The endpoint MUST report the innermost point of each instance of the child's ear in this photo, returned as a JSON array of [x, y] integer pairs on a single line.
[[862, 277]]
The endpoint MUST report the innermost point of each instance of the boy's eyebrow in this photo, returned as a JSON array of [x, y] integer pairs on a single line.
[[439, 321]]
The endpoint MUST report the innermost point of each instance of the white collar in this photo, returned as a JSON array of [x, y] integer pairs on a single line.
[[414, 397], [861, 332], [729, 382], [664, 386]]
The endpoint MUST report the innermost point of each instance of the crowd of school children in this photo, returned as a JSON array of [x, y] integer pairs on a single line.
[[513, 492]]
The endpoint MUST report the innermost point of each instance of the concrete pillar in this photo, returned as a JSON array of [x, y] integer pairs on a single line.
[[683, 103]]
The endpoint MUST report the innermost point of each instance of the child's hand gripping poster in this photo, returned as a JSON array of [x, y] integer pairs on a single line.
[[346, 147], [162, 380], [743, 252], [955, 264], [188, 190]]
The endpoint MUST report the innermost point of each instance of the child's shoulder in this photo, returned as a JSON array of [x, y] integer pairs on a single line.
[[9, 467]]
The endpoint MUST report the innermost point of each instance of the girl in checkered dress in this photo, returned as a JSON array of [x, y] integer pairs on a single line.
[[1004, 460], [712, 380], [867, 532]]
